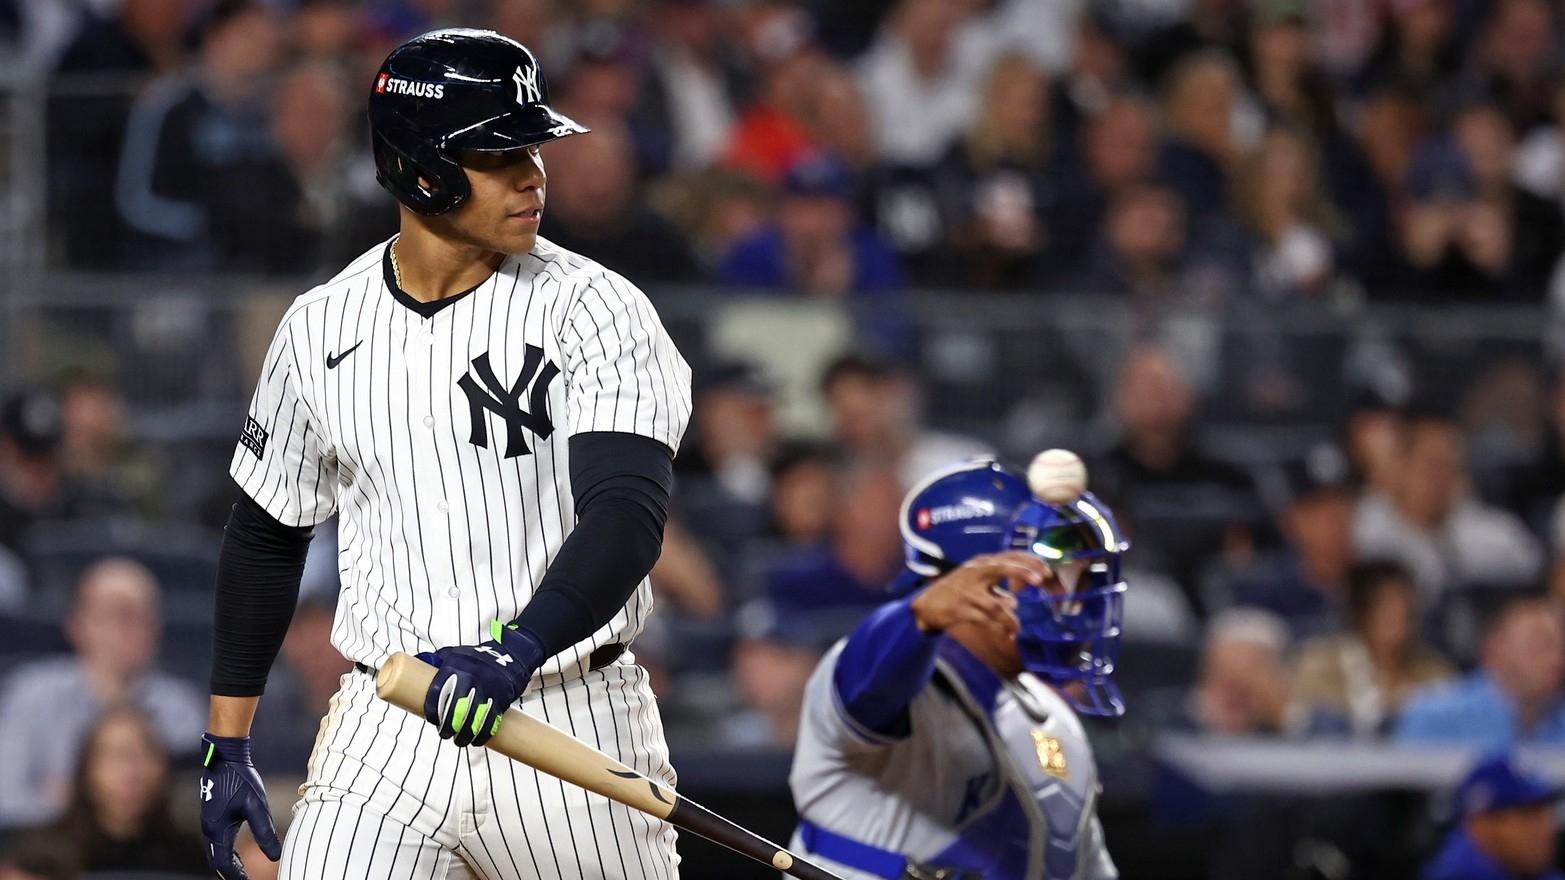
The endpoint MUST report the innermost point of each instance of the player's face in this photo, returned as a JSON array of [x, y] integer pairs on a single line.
[[506, 204]]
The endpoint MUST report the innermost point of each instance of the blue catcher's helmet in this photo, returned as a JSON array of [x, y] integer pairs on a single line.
[[954, 515], [1071, 639]]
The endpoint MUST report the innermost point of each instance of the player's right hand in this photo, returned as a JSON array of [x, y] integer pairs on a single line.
[[475, 684], [231, 795], [978, 592]]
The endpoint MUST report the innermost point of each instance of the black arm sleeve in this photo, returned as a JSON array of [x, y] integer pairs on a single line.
[[258, 574], [621, 483]]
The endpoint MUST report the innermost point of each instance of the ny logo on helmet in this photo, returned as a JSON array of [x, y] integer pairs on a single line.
[[506, 401], [527, 80]]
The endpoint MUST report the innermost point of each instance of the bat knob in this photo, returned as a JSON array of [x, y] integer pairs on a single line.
[[782, 861]]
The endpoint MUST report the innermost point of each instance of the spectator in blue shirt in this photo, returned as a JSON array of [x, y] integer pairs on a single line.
[[1513, 696], [845, 577], [816, 246], [1306, 582], [1506, 830]]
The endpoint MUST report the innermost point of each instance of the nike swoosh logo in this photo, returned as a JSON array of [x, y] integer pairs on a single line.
[[332, 362]]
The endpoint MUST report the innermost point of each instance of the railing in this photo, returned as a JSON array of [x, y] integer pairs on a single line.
[[23, 170], [1016, 368]]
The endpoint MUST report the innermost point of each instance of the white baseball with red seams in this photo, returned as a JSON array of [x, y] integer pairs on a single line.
[[1057, 476]]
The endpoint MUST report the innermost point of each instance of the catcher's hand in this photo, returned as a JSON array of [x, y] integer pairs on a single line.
[[978, 592]]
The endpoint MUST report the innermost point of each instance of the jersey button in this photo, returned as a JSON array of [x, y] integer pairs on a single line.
[[429, 421], [443, 507], [453, 592]]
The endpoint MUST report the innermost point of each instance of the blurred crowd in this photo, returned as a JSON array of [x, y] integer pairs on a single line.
[[1205, 149], [1389, 585], [1399, 578]]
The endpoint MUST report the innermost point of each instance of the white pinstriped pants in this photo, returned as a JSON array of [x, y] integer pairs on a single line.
[[385, 797]]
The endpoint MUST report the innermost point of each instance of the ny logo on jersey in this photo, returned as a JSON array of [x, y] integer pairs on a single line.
[[206, 789], [526, 80], [505, 402]]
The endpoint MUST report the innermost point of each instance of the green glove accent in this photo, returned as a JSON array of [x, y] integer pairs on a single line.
[[479, 716], [497, 630], [496, 728], [211, 749], [459, 714]]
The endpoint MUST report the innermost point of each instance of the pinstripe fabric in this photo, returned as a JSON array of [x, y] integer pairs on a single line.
[[439, 535], [386, 797], [448, 517]]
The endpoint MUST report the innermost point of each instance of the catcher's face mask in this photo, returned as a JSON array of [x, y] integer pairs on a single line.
[[1070, 636]]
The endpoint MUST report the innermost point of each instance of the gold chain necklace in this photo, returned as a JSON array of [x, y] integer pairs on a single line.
[[396, 270]]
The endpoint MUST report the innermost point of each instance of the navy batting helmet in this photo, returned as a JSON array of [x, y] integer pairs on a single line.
[[452, 90]]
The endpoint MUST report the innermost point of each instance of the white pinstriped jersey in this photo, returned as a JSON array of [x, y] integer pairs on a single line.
[[441, 440]]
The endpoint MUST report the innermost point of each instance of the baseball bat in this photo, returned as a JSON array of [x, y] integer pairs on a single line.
[[405, 679]]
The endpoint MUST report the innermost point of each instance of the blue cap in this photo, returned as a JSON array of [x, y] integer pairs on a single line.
[[820, 174], [1497, 783]]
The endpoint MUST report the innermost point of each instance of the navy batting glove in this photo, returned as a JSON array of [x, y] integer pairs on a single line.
[[232, 794], [475, 684]]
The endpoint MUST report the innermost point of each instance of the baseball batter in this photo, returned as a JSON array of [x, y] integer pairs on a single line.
[[939, 739], [493, 419]]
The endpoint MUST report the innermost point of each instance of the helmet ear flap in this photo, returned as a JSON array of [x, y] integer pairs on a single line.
[[422, 177]]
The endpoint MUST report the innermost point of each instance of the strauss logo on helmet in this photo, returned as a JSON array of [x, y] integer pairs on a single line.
[[388, 83]]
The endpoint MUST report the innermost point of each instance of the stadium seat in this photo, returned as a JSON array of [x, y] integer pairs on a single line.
[[28, 638], [187, 649], [1147, 666], [1462, 615], [183, 558], [139, 875]]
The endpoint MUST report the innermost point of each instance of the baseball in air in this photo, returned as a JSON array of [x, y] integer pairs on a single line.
[[1057, 476]]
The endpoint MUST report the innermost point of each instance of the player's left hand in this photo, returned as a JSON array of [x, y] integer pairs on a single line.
[[232, 795], [475, 684]]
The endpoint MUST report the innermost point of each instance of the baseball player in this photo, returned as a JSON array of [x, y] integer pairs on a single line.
[[939, 739], [493, 419]]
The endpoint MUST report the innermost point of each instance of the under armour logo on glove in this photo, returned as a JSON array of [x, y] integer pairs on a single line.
[[475, 684], [206, 789], [502, 659]]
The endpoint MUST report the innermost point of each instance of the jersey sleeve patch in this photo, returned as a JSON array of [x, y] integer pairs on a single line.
[[253, 438]]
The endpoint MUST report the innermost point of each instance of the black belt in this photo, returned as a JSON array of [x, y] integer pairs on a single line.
[[595, 661]]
